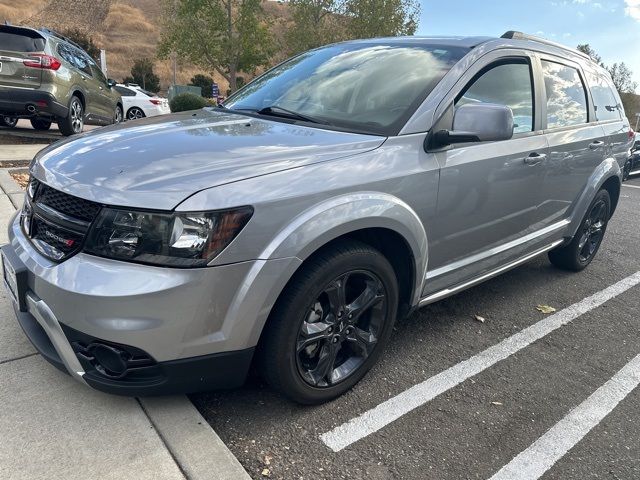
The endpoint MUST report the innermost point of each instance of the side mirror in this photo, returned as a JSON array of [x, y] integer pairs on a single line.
[[478, 122], [111, 83]]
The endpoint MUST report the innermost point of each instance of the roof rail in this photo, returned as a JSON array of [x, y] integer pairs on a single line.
[[61, 37], [515, 35]]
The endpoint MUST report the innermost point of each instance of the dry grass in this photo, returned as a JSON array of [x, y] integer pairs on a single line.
[[126, 29], [16, 10]]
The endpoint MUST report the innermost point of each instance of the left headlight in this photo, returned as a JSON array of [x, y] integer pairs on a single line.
[[167, 239]]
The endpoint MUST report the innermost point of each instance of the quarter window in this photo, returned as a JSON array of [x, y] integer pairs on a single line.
[[566, 97], [604, 100], [505, 84]]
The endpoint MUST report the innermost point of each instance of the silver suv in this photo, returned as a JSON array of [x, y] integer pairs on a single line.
[[290, 227]]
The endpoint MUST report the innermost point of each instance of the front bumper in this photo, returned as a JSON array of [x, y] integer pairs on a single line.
[[191, 325], [15, 103]]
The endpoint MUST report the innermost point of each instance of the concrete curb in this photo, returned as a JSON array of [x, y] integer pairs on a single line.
[[195, 446], [10, 187]]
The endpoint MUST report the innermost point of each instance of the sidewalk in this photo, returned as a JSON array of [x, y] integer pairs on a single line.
[[52, 427]]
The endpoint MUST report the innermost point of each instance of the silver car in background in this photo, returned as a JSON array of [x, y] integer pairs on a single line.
[[292, 226]]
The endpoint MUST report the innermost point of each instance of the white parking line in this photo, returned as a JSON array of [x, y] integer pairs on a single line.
[[390, 410], [533, 462], [630, 186]]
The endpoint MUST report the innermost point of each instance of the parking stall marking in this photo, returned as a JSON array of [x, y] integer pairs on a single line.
[[533, 462], [392, 409], [630, 186]]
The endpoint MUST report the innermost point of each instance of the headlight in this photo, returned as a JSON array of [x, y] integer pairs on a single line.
[[168, 239]]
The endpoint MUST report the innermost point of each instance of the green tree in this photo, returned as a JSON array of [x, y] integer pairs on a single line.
[[227, 36], [204, 82], [315, 23], [142, 73], [622, 78], [586, 48], [84, 41], [382, 18]]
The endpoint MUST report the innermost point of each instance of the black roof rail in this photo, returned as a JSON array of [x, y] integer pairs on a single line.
[[515, 35], [61, 37]]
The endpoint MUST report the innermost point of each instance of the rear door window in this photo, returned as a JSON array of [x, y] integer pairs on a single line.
[[507, 83], [604, 100], [125, 92], [566, 96], [18, 42]]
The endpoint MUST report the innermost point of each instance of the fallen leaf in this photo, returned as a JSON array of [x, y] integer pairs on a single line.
[[266, 472], [479, 318], [267, 460], [496, 403], [545, 309]]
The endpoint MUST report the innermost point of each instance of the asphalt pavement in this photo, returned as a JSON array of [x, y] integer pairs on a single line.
[[552, 399]]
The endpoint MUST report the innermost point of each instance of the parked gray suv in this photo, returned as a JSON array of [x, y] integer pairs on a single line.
[[289, 228]]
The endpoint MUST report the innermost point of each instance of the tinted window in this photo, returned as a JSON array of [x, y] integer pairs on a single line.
[[98, 73], [566, 97], [505, 84], [604, 100], [125, 92], [368, 87], [18, 42]]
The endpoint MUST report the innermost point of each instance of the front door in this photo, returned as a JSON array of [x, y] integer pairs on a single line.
[[488, 191]]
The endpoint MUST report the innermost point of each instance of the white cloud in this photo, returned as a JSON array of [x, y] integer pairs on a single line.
[[632, 9]]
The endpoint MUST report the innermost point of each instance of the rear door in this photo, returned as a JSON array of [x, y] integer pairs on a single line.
[[577, 142], [16, 45], [609, 113]]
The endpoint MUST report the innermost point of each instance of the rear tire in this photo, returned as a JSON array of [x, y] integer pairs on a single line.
[[9, 122], [117, 118], [584, 246], [135, 113], [40, 124], [313, 360], [74, 123]]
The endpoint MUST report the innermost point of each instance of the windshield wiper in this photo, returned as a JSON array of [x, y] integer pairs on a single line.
[[278, 111]]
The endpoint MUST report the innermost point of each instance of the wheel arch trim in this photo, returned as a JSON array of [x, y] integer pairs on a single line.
[[297, 241], [608, 169]]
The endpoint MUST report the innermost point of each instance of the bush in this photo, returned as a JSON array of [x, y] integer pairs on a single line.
[[186, 101]]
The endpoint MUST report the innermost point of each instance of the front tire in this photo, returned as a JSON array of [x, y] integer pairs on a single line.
[[74, 123], [330, 324], [9, 122], [40, 124], [584, 246]]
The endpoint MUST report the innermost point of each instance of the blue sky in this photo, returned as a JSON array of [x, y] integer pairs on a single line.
[[611, 27]]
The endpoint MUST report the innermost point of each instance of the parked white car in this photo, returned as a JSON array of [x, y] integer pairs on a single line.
[[138, 103]]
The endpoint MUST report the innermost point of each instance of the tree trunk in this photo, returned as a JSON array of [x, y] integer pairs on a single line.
[[233, 78]]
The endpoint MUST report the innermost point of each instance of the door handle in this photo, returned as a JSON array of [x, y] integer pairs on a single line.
[[596, 145], [535, 158]]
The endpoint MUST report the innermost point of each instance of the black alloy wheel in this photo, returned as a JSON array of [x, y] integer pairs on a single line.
[[582, 248], [341, 328], [330, 324]]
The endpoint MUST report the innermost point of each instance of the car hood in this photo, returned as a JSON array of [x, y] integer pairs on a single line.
[[158, 162]]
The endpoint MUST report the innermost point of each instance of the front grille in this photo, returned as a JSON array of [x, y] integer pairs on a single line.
[[56, 222], [58, 243], [68, 204]]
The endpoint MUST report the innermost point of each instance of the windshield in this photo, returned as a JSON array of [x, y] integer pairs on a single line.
[[369, 88]]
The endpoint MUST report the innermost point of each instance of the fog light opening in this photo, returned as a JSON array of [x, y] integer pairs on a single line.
[[108, 360]]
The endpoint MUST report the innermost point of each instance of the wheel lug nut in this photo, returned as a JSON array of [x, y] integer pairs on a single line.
[[348, 331], [350, 315], [335, 339], [330, 329], [339, 314]]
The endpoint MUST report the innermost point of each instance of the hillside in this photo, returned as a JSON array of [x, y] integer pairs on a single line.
[[126, 29]]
